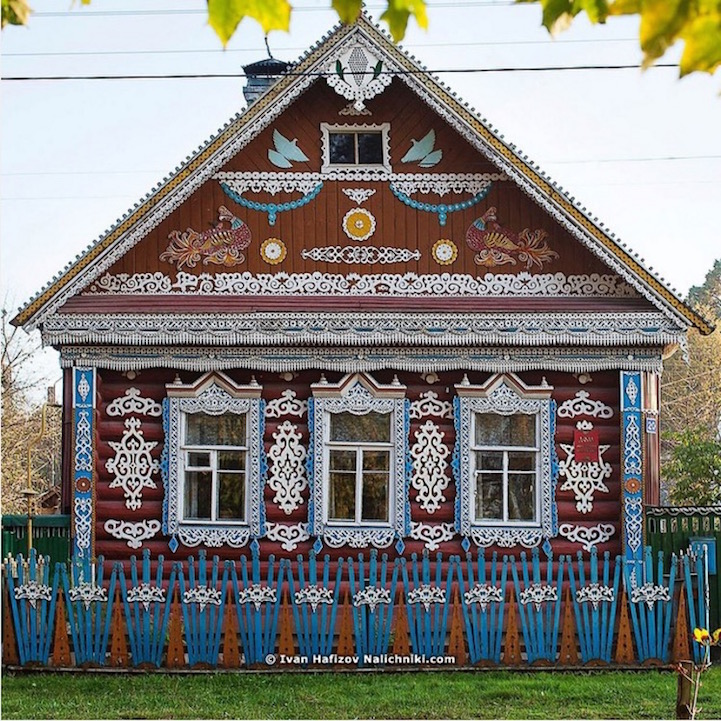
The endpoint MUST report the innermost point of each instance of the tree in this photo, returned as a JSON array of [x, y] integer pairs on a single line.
[[663, 22], [709, 293], [21, 420], [694, 468]]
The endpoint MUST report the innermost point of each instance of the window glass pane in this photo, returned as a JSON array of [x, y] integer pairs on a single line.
[[342, 461], [375, 496], [205, 430], [493, 429], [342, 496], [199, 460], [489, 496], [231, 496], [520, 461], [370, 148], [342, 148], [489, 460], [198, 494], [231, 460], [369, 428], [522, 496]]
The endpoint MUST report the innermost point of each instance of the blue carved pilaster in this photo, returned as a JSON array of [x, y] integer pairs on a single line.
[[83, 460], [631, 465]]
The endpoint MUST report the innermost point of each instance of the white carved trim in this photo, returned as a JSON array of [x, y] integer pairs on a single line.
[[588, 536], [361, 171], [288, 535], [429, 405], [583, 405], [426, 595], [286, 473], [483, 594], [132, 532], [595, 594], [432, 534], [359, 195], [133, 464], [314, 596], [358, 74], [145, 594], [524, 284], [257, 594], [133, 402], [286, 405], [429, 466], [32, 592], [360, 254], [538, 593], [372, 597], [87, 594], [203, 596]]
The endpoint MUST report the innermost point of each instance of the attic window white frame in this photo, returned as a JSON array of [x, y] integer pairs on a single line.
[[214, 394], [328, 128], [505, 394]]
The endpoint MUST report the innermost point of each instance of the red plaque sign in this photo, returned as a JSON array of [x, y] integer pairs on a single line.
[[585, 446]]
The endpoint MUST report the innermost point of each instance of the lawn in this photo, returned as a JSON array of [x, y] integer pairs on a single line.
[[485, 695]]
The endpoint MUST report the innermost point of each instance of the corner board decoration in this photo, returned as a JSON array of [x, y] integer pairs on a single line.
[[423, 151], [215, 395], [219, 245], [286, 152], [428, 464], [358, 395], [496, 245], [83, 454], [133, 464], [543, 285], [632, 464], [273, 251], [505, 395], [358, 75]]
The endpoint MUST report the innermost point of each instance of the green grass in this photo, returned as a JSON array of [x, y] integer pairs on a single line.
[[485, 695]]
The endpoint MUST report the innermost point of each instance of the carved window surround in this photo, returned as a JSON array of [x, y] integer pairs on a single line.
[[505, 394], [358, 394], [214, 394], [382, 168]]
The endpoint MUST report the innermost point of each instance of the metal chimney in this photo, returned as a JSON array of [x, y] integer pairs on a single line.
[[260, 76]]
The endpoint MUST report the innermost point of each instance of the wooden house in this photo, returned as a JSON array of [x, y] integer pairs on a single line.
[[357, 318]]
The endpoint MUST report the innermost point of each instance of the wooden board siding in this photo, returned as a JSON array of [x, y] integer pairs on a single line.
[[110, 502], [319, 223]]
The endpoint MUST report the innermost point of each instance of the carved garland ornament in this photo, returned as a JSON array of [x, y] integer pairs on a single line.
[[314, 596], [483, 594], [360, 254], [132, 532], [432, 534], [288, 535], [133, 464], [583, 405], [203, 596], [372, 597], [87, 594], [426, 595], [257, 594], [32, 592], [650, 594], [552, 285], [595, 594], [145, 594], [537, 594], [588, 536]]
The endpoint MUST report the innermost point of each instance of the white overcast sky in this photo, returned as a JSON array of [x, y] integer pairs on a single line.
[[641, 150]]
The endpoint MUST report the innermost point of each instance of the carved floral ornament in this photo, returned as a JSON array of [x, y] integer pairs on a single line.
[[372, 597]]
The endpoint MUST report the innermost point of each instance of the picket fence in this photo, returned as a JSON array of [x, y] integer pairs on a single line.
[[356, 612]]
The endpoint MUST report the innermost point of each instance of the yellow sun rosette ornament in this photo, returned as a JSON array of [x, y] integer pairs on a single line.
[[273, 251], [359, 224]]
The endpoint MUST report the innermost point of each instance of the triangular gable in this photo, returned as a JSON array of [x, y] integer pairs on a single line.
[[211, 157]]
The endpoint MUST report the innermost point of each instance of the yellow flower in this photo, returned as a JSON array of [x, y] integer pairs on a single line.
[[701, 635], [716, 637]]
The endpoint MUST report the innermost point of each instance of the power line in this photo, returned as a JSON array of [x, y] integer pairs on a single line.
[[494, 43], [210, 76]]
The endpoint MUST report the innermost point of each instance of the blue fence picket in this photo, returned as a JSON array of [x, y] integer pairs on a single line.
[[315, 605], [32, 603], [483, 598], [203, 602], [595, 601], [90, 607], [651, 603], [147, 609], [428, 599], [257, 606], [697, 598], [373, 597], [539, 605]]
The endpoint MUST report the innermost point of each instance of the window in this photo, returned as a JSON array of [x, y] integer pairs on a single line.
[[504, 462], [350, 147], [358, 444], [213, 432]]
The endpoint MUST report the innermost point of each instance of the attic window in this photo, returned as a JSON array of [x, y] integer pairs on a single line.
[[350, 147]]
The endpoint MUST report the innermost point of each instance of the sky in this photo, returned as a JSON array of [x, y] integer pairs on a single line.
[[641, 150]]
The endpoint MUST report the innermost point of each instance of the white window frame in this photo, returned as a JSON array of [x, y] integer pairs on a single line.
[[505, 394], [358, 394], [213, 394], [383, 128]]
